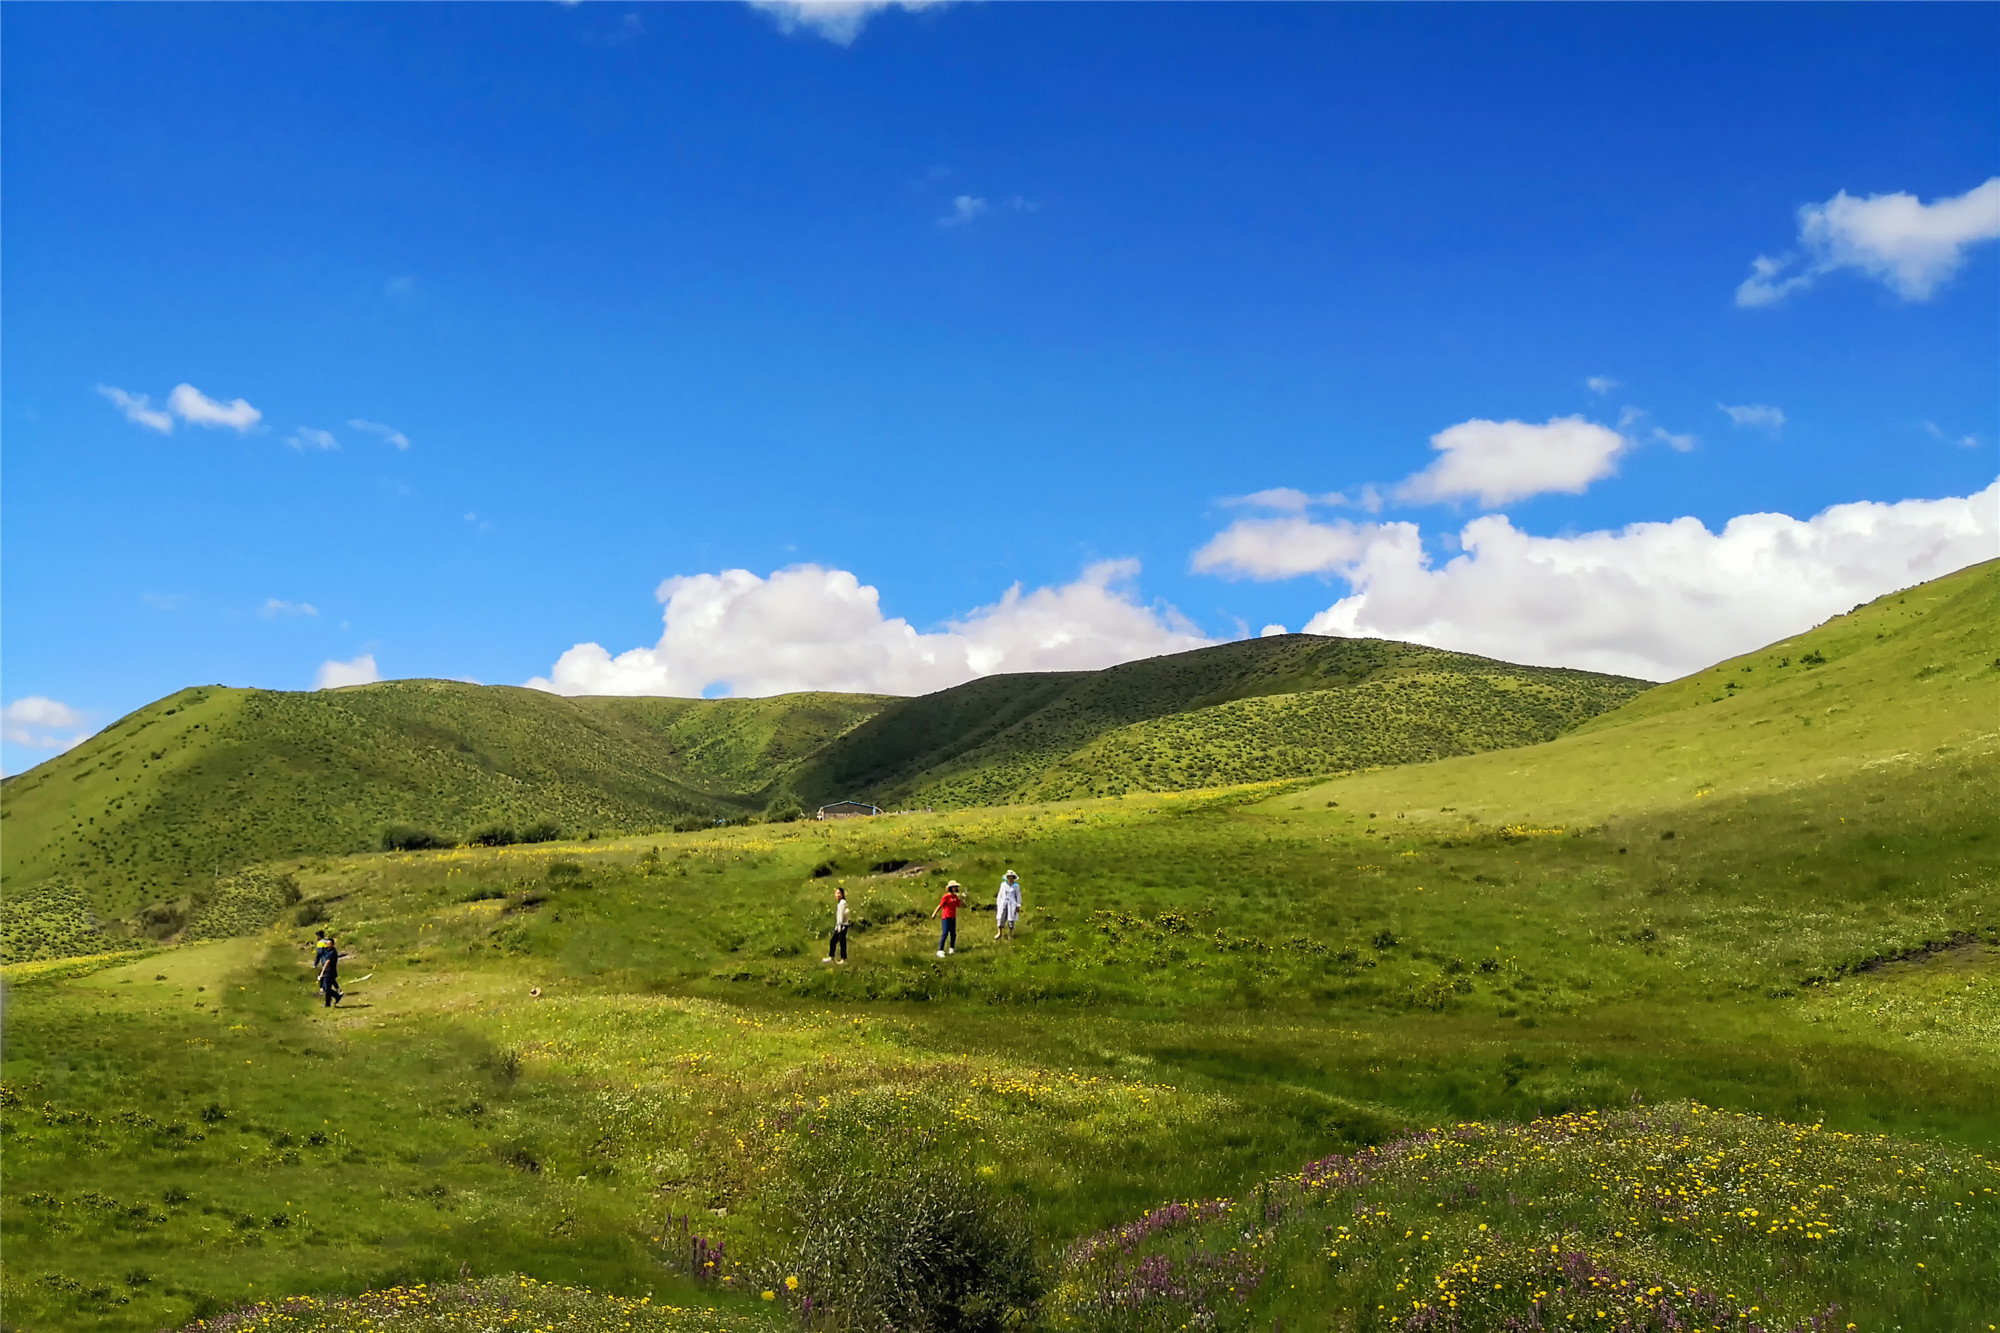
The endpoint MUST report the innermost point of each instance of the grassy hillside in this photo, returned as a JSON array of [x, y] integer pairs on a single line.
[[1264, 708], [133, 831], [1254, 1058], [1906, 681], [156, 806]]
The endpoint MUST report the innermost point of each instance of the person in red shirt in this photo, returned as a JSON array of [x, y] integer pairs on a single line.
[[947, 911]]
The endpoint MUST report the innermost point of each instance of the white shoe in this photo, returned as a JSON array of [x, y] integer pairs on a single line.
[[826, 960], [843, 962], [952, 949], [940, 953]]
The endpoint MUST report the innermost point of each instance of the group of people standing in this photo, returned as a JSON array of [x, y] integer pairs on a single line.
[[1006, 917]]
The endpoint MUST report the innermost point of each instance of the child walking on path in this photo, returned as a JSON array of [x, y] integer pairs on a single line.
[[1007, 906], [947, 910], [838, 940]]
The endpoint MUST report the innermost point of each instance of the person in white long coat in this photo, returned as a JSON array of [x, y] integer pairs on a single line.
[[1007, 906]]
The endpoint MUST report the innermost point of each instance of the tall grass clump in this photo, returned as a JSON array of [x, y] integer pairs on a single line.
[[891, 1226]]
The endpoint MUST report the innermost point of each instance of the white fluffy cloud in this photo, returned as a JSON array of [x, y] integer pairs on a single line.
[[42, 723], [810, 628], [1910, 246], [1501, 461], [1283, 548], [839, 21], [1655, 600], [332, 675], [139, 410], [1754, 414], [389, 434], [305, 437], [198, 409]]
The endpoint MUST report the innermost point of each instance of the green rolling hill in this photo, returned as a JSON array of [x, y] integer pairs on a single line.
[[159, 806], [1290, 706], [156, 806]]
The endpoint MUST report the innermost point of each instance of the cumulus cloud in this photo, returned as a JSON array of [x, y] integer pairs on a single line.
[[1282, 548], [839, 21], [811, 628], [305, 437], [1909, 246], [198, 409], [1497, 462], [1754, 414], [41, 723], [388, 433], [1285, 499], [1655, 600], [274, 609], [139, 410], [332, 675]]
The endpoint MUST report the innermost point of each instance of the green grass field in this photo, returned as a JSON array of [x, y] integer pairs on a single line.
[[1687, 1017], [128, 836]]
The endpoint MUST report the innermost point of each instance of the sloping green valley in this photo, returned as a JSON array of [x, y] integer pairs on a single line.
[[1683, 1016], [142, 823]]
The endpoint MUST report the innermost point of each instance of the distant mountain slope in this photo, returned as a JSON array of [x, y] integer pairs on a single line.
[[160, 802], [154, 812], [1906, 681], [1285, 706]]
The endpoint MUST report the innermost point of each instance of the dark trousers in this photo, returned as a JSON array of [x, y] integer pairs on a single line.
[[837, 940], [948, 934], [329, 989]]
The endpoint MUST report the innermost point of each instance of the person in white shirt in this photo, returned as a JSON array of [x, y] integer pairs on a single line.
[[838, 940], [1007, 906]]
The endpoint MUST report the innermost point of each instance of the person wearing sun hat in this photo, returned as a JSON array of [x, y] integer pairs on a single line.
[[947, 912], [1007, 906]]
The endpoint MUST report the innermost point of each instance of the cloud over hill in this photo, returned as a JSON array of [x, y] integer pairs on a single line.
[[812, 628]]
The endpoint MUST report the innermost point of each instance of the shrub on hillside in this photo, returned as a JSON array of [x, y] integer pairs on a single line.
[[542, 830], [410, 838], [51, 919], [895, 1231], [241, 904], [494, 835]]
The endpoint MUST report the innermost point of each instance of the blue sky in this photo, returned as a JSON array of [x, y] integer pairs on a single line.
[[959, 298]]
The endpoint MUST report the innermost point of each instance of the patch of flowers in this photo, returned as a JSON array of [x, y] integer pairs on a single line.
[[496, 1303]]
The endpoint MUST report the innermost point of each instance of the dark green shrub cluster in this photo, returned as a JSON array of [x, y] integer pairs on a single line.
[[542, 830], [893, 1230], [494, 835], [242, 904], [410, 838], [51, 919]]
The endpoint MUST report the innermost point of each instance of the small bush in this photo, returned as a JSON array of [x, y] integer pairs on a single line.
[[483, 893], [542, 830], [410, 838], [495, 835], [310, 914], [1385, 939], [566, 872], [897, 1233]]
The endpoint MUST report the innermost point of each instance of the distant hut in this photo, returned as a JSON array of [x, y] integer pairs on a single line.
[[846, 810]]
